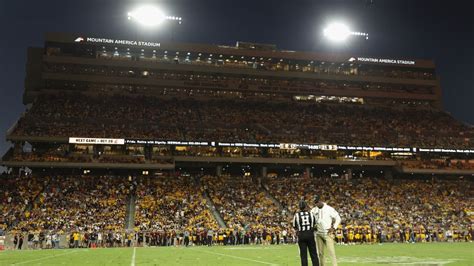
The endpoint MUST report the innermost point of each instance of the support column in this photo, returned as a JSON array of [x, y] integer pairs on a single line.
[[264, 171], [219, 170], [349, 173], [307, 172], [148, 151]]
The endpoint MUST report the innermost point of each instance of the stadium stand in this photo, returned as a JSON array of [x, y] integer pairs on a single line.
[[243, 204], [68, 203], [171, 204], [168, 208], [17, 193], [126, 145], [247, 121]]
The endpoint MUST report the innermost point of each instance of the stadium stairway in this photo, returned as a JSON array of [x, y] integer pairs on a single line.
[[8, 155], [266, 130], [264, 188], [210, 205], [46, 188], [130, 211]]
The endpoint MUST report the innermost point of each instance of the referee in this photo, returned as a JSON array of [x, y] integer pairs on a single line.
[[304, 222]]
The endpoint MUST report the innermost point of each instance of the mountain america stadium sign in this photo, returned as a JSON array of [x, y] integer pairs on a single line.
[[116, 41], [382, 60]]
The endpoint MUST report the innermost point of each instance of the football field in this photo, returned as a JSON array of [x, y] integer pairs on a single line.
[[388, 254]]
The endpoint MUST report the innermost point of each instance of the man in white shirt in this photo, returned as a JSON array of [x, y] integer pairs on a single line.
[[327, 221], [99, 239]]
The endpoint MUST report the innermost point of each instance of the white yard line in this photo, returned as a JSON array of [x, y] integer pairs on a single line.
[[237, 257], [45, 258], [133, 256]]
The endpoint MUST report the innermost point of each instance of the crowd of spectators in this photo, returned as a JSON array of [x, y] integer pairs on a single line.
[[78, 203], [390, 208], [100, 117], [17, 193], [174, 211], [419, 202], [242, 203], [91, 210], [241, 121], [337, 192], [439, 164], [171, 204]]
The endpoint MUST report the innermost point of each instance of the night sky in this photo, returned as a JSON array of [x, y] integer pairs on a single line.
[[419, 29]]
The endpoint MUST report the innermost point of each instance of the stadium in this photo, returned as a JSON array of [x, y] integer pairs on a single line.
[[169, 153]]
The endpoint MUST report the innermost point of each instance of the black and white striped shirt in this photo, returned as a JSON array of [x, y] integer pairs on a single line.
[[304, 221]]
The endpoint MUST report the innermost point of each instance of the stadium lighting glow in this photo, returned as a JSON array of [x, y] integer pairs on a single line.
[[151, 16], [339, 32], [148, 15]]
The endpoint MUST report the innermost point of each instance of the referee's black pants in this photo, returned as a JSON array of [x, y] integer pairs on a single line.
[[306, 243]]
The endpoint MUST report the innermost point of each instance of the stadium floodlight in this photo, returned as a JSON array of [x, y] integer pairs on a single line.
[[339, 32], [151, 16]]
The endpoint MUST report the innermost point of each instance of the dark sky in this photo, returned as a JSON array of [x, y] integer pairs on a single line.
[[429, 29]]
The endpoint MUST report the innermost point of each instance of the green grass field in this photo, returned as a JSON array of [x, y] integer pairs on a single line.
[[391, 254]]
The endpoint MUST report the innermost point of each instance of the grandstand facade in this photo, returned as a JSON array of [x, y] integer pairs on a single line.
[[149, 140], [105, 103]]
